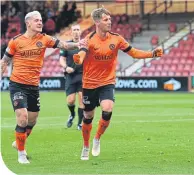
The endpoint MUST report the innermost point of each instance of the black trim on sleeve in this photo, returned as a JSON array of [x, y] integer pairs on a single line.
[[17, 36], [112, 33], [56, 43], [92, 34], [127, 49], [84, 49], [9, 55]]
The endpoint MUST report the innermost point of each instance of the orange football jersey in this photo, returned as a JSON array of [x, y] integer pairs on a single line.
[[99, 66], [28, 55]]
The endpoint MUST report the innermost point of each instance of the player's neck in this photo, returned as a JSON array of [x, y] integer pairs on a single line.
[[30, 34], [101, 34]]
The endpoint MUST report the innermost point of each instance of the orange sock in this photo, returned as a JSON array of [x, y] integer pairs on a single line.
[[86, 130], [102, 125], [20, 140]]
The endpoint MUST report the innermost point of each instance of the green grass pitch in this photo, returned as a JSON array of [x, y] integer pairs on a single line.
[[150, 133]]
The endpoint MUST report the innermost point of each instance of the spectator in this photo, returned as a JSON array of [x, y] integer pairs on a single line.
[[49, 27], [4, 25]]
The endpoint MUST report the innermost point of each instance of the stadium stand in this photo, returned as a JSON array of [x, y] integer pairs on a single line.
[[178, 62], [131, 27]]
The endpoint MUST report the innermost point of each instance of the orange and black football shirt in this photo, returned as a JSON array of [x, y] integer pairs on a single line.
[[99, 66], [28, 56]]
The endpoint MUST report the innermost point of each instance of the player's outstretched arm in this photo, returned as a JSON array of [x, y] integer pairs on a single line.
[[4, 62], [140, 54], [71, 45], [67, 45]]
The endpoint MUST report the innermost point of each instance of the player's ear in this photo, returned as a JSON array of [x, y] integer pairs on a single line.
[[97, 22]]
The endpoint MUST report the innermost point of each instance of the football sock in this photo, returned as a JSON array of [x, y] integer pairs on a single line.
[[80, 115], [103, 124], [72, 109], [86, 130], [21, 136]]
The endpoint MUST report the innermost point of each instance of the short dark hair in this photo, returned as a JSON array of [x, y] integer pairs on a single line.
[[97, 13]]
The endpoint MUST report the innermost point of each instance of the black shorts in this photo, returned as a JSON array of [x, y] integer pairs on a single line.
[[73, 84], [24, 96], [93, 97]]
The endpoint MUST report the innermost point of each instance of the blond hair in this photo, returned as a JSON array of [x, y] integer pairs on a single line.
[[97, 13], [30, 14]]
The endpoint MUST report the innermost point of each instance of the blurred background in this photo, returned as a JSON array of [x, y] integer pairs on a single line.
[[145, 24]]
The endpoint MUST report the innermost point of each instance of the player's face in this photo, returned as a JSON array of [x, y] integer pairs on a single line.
[[76, 32], [105, 23], [35, 23]]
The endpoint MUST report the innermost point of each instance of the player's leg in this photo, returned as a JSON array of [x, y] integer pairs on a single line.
[[89, 101], [19, 102], [106, 103], [21, 135], [33, 109], [71, 106], [81, 106], [32, 119], [71, 96]]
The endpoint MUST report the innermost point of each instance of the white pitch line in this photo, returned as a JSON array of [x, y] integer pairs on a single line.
[[136, 121]]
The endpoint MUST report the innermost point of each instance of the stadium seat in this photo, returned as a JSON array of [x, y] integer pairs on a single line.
[[171, 73], [172, 27], [163, 73], [185, 73], [150, 74], [143, 74], [154, 40], [157, 73]]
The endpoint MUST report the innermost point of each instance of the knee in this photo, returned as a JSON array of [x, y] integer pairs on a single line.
[[70, 101], [88, 115], [107, 105], [87, 120], [106, 115], [22, 118]]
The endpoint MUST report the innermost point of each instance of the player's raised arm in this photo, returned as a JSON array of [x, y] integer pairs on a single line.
[[136, 53]]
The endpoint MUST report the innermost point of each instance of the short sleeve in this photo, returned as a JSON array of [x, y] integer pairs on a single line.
[[124, 45], [11, 48], [63, 53], [51, 42]]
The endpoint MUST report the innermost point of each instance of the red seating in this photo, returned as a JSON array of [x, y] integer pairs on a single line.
[[178, 62], [172, 27], [154, 40]]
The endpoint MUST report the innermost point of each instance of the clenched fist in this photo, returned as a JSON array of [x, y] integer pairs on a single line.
[[158, 52]]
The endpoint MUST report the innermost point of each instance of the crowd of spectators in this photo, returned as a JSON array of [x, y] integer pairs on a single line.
[[54, 19]]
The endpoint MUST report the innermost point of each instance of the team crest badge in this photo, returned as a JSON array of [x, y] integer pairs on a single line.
[[39, 44], [111, 46]]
